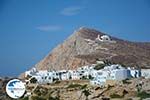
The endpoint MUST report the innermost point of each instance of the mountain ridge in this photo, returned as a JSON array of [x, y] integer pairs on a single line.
[[75, 52]]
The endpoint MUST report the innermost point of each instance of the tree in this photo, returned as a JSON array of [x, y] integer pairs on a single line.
[[90, 77], [33, 80], [86, 92], [99, 66]]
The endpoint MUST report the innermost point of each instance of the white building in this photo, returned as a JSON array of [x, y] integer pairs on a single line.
[[135, 73], [75, 75], [44, 77], [31, 72], [99, 77], [105, 38], [119, 74], [64, 75], [93, 73], [100, 80], [145, 73], [112, 72]]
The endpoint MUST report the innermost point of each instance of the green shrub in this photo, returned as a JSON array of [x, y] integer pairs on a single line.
[[53, 98], [74, 85], [115, 96], [37, 98], [57, 82], [123, 65], [25, 98], [86, 93], [99, 66], [55, 79], [143, 95], [90, 77], [107, 62], [37, 91], [126, 81], [43, 91], [84, 86], [84, 78], [33, 80]]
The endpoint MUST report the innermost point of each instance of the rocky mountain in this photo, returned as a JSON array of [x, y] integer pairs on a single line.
[[76, 51]]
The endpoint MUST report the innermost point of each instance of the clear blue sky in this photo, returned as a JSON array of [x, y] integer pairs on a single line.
[[29, 29]]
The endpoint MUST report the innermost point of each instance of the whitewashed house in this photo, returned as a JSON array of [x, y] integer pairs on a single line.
[[99, 80], [99, 77], [93, 73], [145, 73], [64, 75], [31, 72], [84, 71], [135, 73], [112, 72], [75, 75], [44, 77], [119, 74], [105, 38]]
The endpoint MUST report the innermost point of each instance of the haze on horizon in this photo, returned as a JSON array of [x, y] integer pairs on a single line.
[[29, 29]]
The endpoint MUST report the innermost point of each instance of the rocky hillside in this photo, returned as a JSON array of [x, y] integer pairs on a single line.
[[83, 90], [76, 51]]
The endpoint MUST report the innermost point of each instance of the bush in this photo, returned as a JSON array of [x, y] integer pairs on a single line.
[[57, 82], [74, 85], [55, 79], [115, 96], [107, 62], [53, 98], [99, 66], [84, 86], [84, 78], [33, 80], [25, 98], [126, 81], [48, 83], [90, 77], [41, 91], [37, 98], [37, 91], [143, 95], [86, 93]]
